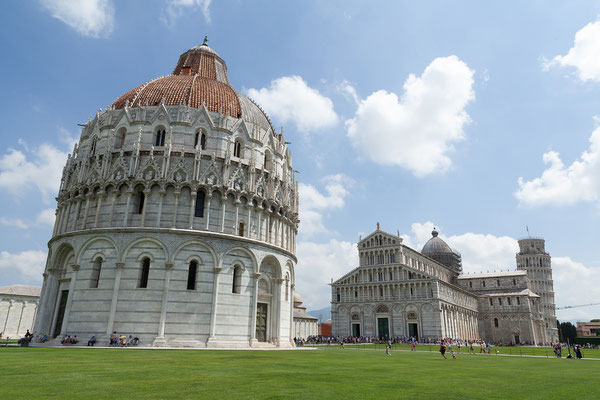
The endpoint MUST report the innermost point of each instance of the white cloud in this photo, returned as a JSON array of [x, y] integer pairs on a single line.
[[314, 203], [27, 265], [575, 284], [560, 185], [289, 98], [480, 252], [22, 170], [348, 91], [318, 263], [94, 18], [46, 217], [176, 8], [584, 56], [13, 222], [416, 131]]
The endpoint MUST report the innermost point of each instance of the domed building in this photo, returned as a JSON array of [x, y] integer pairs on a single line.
[[176, 220], [400, 292], [305, 325]]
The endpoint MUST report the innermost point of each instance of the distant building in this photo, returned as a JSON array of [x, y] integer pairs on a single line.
[[325, 328], [397, 291], [18, 308], [587, 329], [305, 325]]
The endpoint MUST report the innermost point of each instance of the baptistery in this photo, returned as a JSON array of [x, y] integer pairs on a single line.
[[176, 219]]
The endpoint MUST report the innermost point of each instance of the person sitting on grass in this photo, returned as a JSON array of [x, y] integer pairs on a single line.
[[136, 340], [92, 341], [113, 338], [130, 341]]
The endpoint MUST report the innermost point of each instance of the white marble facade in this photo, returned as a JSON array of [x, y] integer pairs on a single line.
[[397, 291], [18, 308], [176, 224]]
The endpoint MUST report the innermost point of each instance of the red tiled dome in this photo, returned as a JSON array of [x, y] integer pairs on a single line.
[[199, 78]]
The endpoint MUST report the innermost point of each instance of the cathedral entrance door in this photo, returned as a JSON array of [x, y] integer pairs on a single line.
[[383, 328], [413, 331], [517, 339], [261, 322], [355, 330], [64, 295]]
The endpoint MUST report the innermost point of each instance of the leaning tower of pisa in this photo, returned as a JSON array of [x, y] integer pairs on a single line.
[[533, 258]]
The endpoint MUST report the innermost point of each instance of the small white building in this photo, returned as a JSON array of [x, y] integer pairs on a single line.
[[18, 307], [305, 325]]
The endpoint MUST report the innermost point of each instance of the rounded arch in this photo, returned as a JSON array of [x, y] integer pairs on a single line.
[[243, 250], [237, 263], [143, 255], [144, 239], [194, 242], [62, 254], [92, 240], [271, 261]]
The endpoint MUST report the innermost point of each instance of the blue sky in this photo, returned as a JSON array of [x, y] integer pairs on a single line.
[[477, 118]]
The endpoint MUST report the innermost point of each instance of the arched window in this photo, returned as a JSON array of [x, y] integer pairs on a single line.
[[93, 146], [498, 282], [160, 137], [483, 283], [141, 199], [241, 229], [518, 301], [496, 322], [203, 141], [470, 284], [269, 161], [199, 211], [120, 139], [491, 301], [236, 286], [237, 149], [143, 283], [380, 291], [196, 139], [96, 268], [514, 281], [192, 271]]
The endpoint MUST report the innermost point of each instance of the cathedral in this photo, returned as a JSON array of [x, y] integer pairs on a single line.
[[399, 292], [176, 220]]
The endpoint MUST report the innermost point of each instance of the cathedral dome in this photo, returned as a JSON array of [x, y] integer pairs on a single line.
[[199, 79], [435, 245]]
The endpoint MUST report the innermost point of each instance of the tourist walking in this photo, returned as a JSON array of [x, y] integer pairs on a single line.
[[443, 349]]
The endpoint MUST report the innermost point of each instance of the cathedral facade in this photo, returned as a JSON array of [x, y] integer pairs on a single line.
[[176, 220], [399, 292]]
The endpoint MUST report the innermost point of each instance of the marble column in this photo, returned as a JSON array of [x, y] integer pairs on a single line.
[[253, 339], [115, 297], [161, 194], [160, 339], [213, 314]]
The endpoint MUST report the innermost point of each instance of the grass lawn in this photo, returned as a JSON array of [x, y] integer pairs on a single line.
[[80, 373], [513, 350]]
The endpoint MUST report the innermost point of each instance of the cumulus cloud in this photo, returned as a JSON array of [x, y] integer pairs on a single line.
[[175, 9], [93, 18], [14, 222], [575, 284], [314, 203], [480, 252], [418, 130], [584, 56], [23, 170], [561, 185], [46, 217], [318, 263], [25, 266], [290, 99]]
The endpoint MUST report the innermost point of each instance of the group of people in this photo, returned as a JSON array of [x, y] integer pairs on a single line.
[[67, 339], [123, 340]]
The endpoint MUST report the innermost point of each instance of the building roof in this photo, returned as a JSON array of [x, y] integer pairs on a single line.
[[524, 292], [494, 274], [199, 79], [21, 290], [298, 314], [435, 245]]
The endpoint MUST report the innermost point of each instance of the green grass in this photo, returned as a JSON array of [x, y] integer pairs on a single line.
[[80, 373], [513, 350]]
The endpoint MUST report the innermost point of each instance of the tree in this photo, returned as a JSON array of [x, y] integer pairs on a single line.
[[560, 335], [568, 331]]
